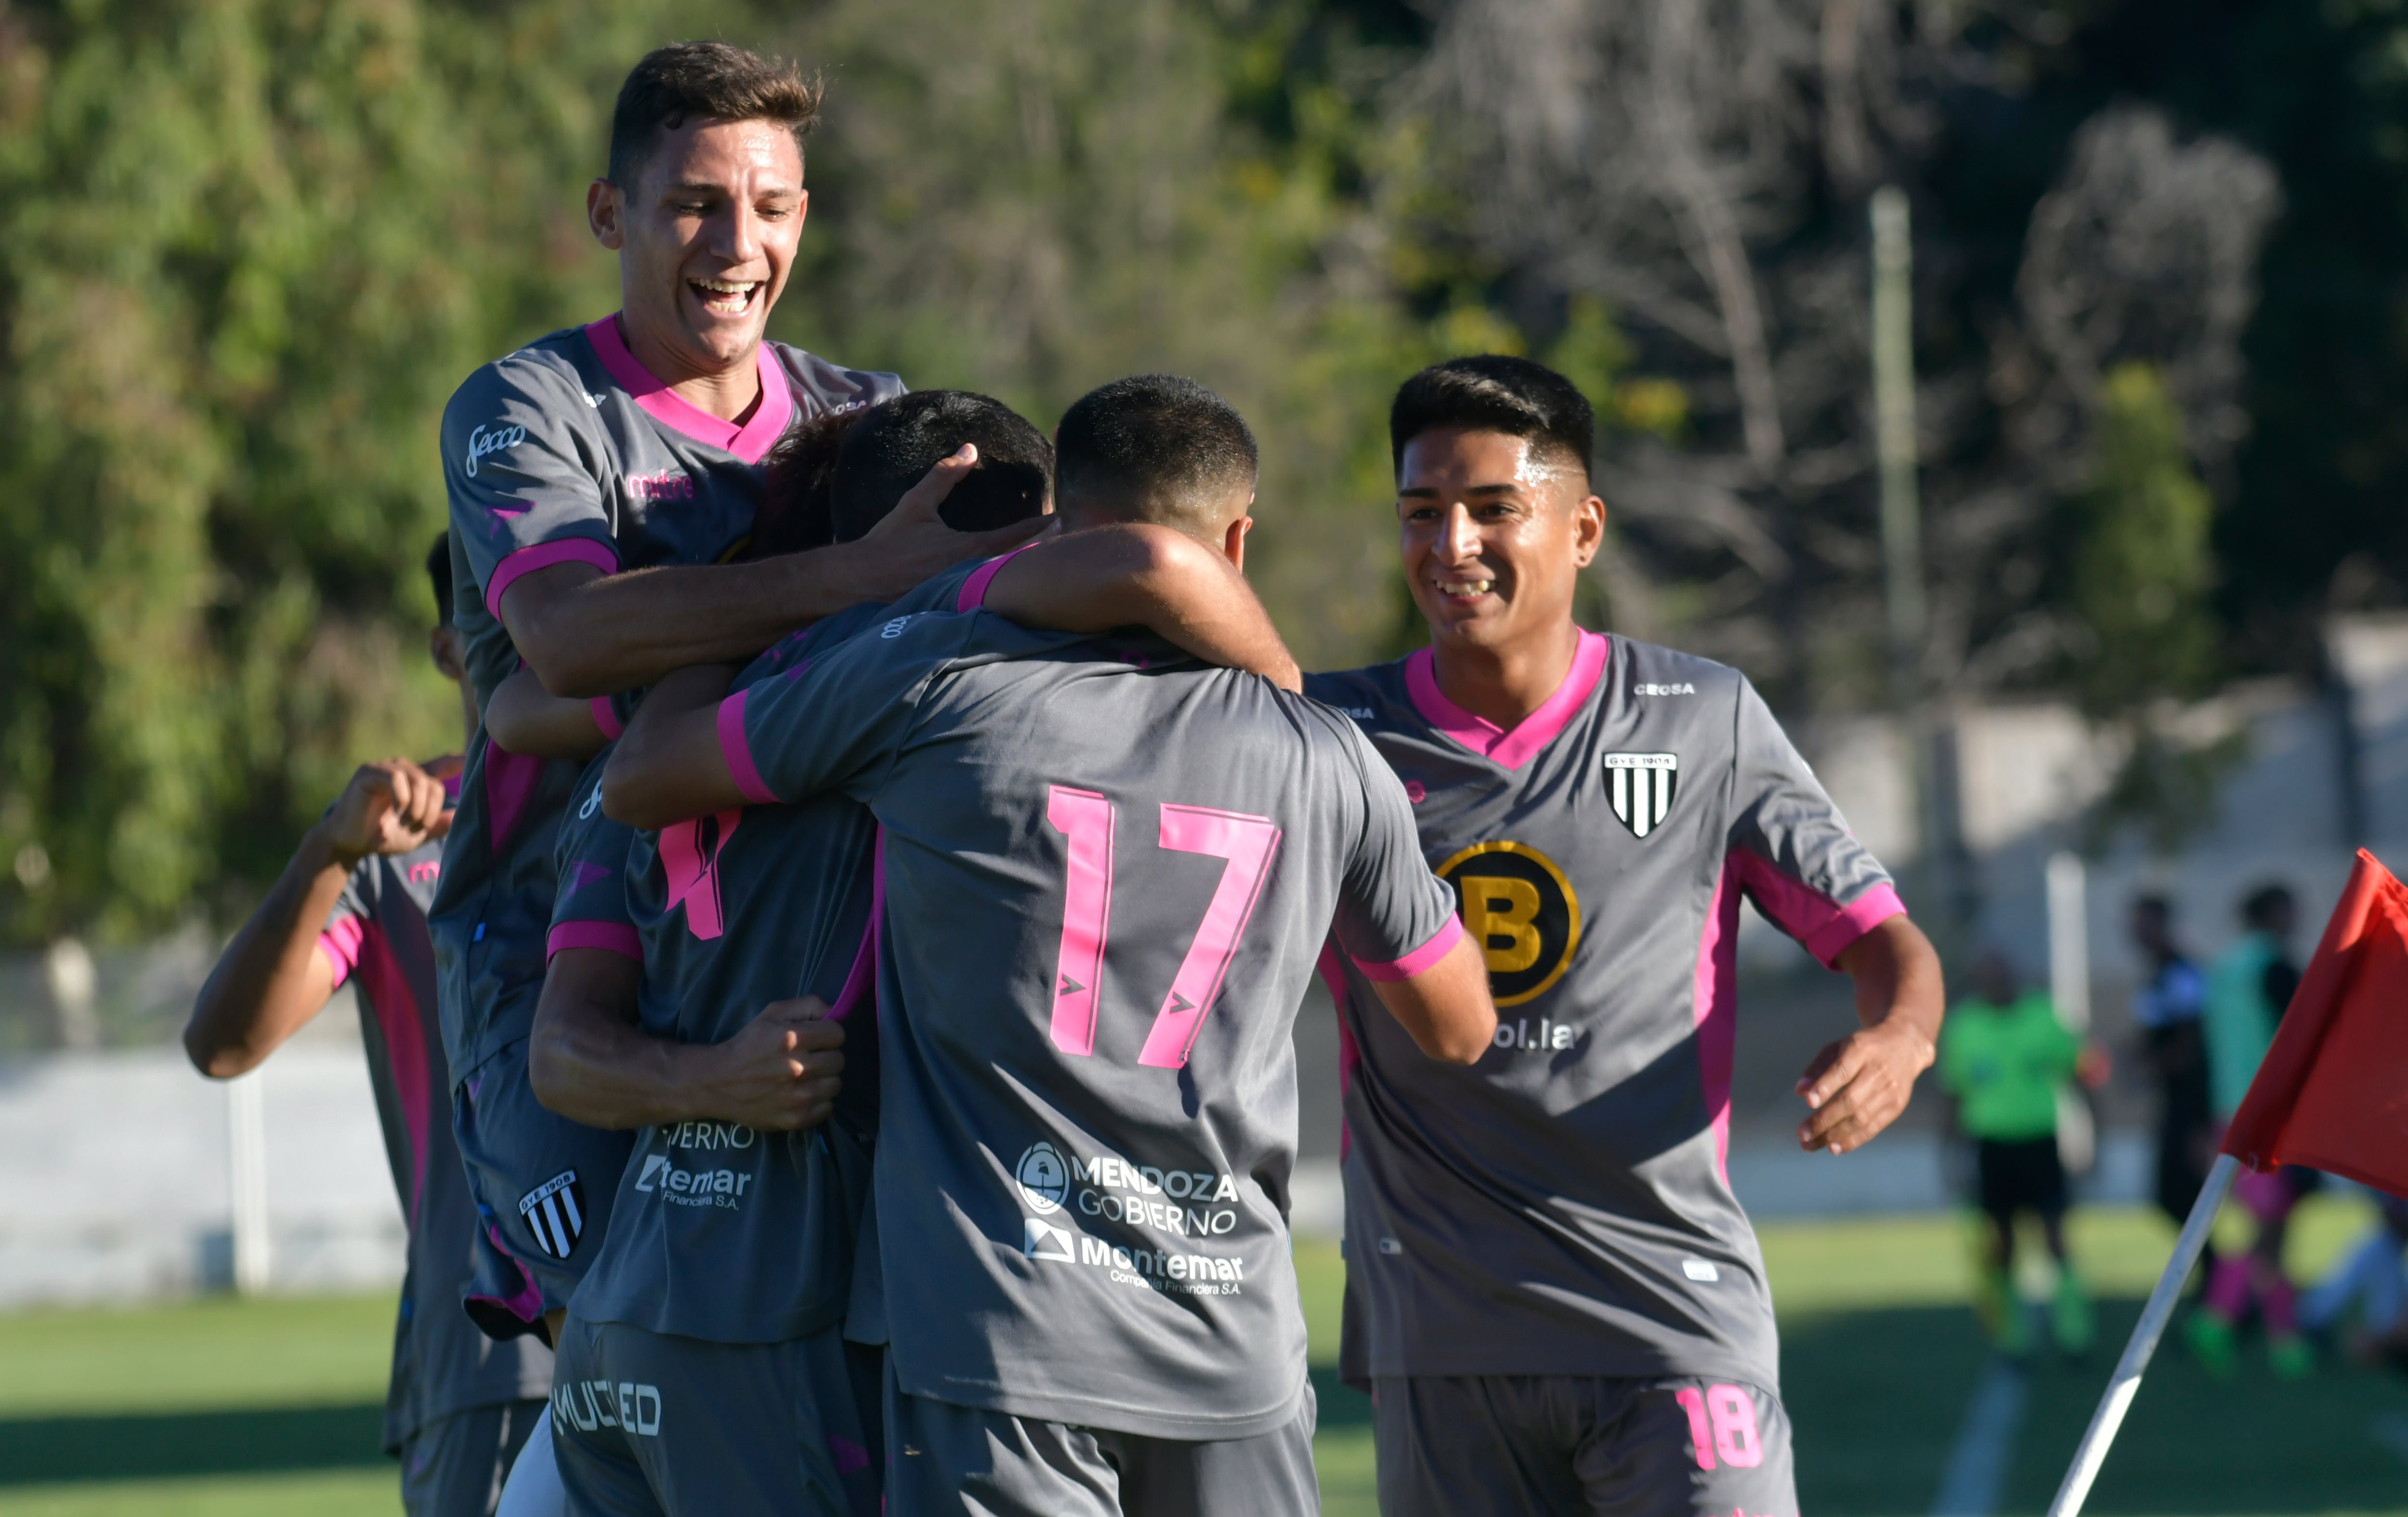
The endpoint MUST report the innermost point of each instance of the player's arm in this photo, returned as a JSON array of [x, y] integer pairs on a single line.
[[273, 976], [1859, 1085], [523, 716], [670, 764], [1446, 1009], [1141, 575], [590, 1060], [585, 633]]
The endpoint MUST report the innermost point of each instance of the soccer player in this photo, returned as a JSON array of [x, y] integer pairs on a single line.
[[1106, 874], [598, 479], [352, 906], [1551, 1291], [2004, 1057]]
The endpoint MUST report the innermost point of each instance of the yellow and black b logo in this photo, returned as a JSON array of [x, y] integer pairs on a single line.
[[1519, 907]]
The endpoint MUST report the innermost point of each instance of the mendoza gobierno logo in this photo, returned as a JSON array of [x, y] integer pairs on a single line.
[[1521, 911]]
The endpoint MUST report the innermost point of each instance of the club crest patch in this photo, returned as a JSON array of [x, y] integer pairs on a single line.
[[1640, 787], [555, 1213]]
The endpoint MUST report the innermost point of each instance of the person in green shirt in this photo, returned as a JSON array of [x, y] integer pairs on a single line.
[[2248, 989], [2003, 1057]]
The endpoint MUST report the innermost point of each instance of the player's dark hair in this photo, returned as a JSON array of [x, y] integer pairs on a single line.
[[1154, 447], [797, 477], [711, 81], [1493, 392], [887, 448], [2264, 903], [438, 575]]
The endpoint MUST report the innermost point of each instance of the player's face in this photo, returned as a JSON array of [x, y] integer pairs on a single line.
[[1493, 539], [706, 239]]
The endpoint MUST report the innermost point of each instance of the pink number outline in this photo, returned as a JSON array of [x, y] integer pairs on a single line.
[[1248, 843], [1086, 819]]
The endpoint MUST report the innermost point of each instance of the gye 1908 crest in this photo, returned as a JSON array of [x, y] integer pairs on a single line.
[[1640, 787]]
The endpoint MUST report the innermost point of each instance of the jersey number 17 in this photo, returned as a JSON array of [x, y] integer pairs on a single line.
[[1248, 843]]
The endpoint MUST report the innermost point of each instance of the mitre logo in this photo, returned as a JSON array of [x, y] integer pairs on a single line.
[[1640, 787], [1521, 911]]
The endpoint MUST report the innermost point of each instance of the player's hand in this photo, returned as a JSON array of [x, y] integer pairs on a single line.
[[782, 1073], [388, 808], [913, 542], [1858, 1086]]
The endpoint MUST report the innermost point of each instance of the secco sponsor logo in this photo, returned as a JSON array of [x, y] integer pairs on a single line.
[[588, 1406], [485, 442], [894, 628], [692, 1187], [1185, 1203]]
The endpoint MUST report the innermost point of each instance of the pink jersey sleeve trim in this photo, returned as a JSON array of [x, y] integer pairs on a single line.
[[609, 937], [1821, 924], [604, 718], [1421, 959], [750, 442], [739, 753], [1533, 732], [543, 555], [341, 943], [973, 594]]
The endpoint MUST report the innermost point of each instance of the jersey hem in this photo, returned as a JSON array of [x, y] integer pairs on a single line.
[[1082, 1411]]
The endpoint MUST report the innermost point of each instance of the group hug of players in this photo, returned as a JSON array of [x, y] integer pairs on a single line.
[[842, 1002]]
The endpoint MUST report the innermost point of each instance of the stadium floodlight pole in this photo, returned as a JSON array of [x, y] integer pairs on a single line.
[[2154, 1317]]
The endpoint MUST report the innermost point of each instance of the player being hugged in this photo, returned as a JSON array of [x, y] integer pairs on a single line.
[[1550, 1289], [1107, 870]]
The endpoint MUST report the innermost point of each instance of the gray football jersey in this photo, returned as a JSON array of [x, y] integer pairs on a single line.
[[720, 1231], [566, 451], [1562, 1206], [1108, 872], [376, 938]]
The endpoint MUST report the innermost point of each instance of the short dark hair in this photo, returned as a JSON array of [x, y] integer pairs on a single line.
[[438, 575], [887, 448], [2264, 903], [669, 86], [1493, 392], [1154, 447], [797, 479]]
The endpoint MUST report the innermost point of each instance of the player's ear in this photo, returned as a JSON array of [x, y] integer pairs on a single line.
[[1588, 529], [443, 647], [606, 207], [1233, 541]]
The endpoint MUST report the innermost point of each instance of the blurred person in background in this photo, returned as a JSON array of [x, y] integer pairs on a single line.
[[351, 905], [2248, 988], [2003, 1058], [2361, 1305], [2174, 1049]]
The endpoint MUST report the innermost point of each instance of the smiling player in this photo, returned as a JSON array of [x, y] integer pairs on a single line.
[[1550, 1289], [599, 478]]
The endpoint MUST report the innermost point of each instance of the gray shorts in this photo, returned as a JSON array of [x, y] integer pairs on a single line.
[[1538, 1445], [945, 1458], [543, 1187], [454, 1466], [647, 1424]]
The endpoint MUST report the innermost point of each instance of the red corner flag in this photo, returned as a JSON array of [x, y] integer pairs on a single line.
[[2332, 1092]]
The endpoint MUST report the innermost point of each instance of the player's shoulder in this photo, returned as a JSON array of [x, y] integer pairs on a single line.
[[540, 381], [1374, 694], [830, 389], [790, 655], [1651, 671]]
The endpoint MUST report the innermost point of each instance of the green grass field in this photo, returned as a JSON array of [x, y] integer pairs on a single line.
[[227, 1408]]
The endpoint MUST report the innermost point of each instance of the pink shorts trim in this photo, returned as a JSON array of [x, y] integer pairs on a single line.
[[609, 937], [1421, 959], [604, 718], [739, 753], [543, 555]]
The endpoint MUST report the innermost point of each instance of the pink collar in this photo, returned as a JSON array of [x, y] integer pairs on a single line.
[[750, 442], [1511, 750]]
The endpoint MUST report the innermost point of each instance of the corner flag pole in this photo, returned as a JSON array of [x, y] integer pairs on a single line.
[[2152, 1326]]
